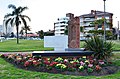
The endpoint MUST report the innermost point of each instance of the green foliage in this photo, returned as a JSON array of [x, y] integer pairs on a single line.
[[8, 71], [109, 34], [81, 68], [15, 18], [81, 29], [41, 34], [49, 33], [96, 32], [100, 22], [59, 59], [25, 28], [102, 49], [66, 30], [89, 70]]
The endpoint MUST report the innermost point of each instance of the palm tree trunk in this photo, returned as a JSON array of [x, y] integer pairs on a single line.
[[6, 32], [17, 35], [26, 33]]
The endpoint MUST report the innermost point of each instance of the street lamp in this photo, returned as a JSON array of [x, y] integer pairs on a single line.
[[104, 22], [118, 31]]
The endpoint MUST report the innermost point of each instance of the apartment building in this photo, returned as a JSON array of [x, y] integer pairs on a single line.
[[7, 30], [60, 25], [1, 30], [87, 19]]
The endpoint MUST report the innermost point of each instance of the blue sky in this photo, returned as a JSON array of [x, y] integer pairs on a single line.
[[44, 13]]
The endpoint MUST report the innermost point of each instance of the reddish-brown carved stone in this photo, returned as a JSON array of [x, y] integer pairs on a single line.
[[73, 31]]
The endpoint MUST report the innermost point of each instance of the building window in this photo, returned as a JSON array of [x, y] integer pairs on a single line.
[[61, 33], [61, 29], [99, 26], [63, 26], [63, 22]]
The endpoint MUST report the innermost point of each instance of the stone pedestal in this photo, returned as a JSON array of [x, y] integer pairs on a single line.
[[73, 31]]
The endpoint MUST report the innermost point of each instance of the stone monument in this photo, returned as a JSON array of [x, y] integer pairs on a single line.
[[65, 45], [73, 31], [64, 42]]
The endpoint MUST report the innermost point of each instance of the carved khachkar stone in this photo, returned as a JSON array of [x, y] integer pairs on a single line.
[[73, 31]]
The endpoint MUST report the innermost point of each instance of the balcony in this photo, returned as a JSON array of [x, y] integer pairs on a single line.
[[60, 24], [58, 28], [89, 20], [58, 32]]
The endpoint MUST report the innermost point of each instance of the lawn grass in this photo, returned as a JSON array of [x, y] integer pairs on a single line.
[[116, 44], [34, 45], [24, 45], [8, 71]]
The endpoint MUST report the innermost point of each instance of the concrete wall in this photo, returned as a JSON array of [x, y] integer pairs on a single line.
[[59, 43]]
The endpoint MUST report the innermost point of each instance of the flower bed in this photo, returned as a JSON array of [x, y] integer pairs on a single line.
[[82, 65]]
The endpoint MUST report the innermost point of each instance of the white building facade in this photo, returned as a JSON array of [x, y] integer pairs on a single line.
[[4, 30], [60, 25], [87, 19], [1, 30]]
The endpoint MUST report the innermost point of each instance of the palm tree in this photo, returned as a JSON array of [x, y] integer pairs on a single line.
[[22, 31], [16, 18], [100, 22], [41, 34], [26, 28]]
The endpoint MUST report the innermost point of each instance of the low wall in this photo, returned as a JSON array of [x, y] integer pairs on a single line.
[[63, 53]]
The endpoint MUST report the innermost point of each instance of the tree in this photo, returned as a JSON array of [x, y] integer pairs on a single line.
[[66, 30], [12, 35], [82, 29], [100, 23], [109, 33], [26, 28], [22, 31], [16, 18], [41, 34]]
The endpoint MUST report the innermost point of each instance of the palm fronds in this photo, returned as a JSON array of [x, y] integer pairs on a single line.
[[102, 49]]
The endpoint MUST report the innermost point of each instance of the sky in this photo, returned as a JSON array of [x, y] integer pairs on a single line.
[[44, 13]]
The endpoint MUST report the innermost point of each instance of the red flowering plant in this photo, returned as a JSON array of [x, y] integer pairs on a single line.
[[46, 61], [71, 64], [97, 68], [27, 63], [103, 63], [75, 63], [52, 64], [36, 60], [70, 67], [9, 57]]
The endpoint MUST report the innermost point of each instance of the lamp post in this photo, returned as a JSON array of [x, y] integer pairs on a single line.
[[118, 31], [104, 22]]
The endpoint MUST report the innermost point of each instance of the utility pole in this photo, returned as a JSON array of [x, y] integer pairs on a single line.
[[104, 23]]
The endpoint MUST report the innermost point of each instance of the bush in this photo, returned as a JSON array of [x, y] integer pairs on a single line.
[[102, 49]]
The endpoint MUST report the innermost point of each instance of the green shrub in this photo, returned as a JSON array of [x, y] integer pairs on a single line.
[[102, 49], [89, 70]]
